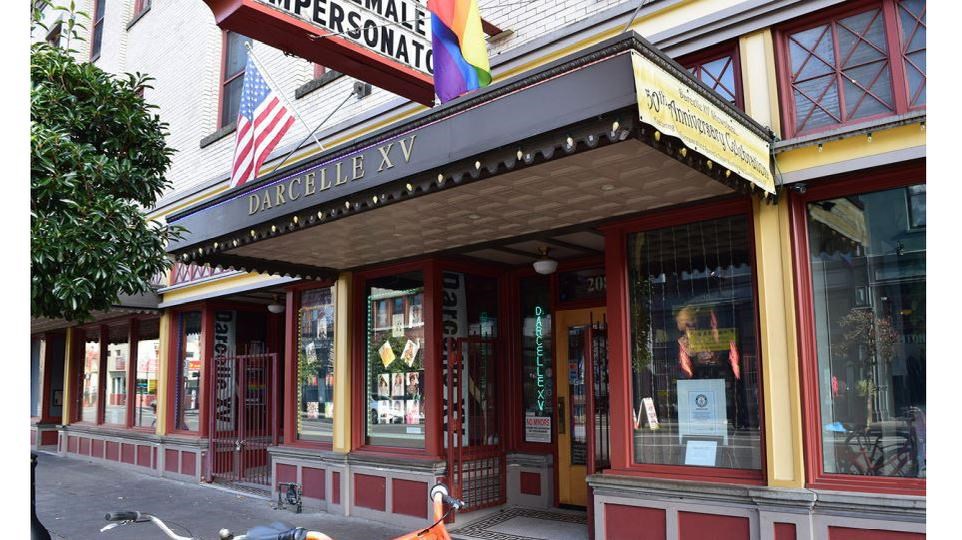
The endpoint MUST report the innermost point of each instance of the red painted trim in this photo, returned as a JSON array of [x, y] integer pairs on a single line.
[[619, 339], [828, 15], [102, 375], [863, 181], [133, 337]]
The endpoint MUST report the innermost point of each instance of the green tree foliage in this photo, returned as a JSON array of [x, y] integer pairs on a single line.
[[98, 158]]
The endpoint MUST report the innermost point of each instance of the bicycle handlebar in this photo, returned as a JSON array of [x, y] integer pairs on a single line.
[[457, 504], [123, 515]]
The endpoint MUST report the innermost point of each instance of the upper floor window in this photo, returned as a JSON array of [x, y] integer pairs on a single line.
[[53, 37], [97, 32], [719, 69], [141, 6], [854, 65], [232, 79]]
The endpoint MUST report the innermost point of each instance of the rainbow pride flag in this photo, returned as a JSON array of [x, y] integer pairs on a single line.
[[460, 54]]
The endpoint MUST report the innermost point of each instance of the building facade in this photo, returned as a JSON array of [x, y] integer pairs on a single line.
[[545, 293]]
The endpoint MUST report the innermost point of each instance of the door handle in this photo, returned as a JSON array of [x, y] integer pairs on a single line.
[[562, 422]]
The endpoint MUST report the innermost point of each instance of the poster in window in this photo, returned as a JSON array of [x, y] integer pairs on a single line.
[[384, 411], [413, 379], [702, 408], [414, 312], [387, 354], [412, 412], [384, 385], [397, 385], [397, 411], [410, 352], [397, 325]]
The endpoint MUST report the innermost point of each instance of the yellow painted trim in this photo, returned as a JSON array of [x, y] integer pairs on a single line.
[[66, 413], [853, 147], [779, 359], [163, 360], [760, 94], [342, 364], [214, 286]]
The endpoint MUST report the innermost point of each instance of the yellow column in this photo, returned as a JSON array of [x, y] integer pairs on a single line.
[[779, 353], [759, 80], [163, 361], [68, 377], [342, 363], [776, 301]]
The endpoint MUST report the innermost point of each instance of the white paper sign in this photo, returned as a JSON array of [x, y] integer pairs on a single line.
[[649, 405], [702, 408], [701, 453], [537, 429], [397, 325]]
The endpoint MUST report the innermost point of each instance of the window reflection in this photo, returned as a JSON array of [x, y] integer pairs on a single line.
[[115, 391], [145, 389], [867, 256], [695, 375], [395, 360], [91, 376], [315, 365], [187, 401]]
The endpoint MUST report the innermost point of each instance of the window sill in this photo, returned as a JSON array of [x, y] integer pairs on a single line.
[[320, 82], [849, 130], [136, 18], [218, 135]]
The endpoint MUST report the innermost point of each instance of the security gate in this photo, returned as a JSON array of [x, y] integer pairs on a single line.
[[242, 420], [473, 421]]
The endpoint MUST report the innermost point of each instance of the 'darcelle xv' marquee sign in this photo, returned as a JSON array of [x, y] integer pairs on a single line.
[[384, 42], [330, 176]]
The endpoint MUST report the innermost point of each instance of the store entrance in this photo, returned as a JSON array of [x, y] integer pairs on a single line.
[[581, 362]]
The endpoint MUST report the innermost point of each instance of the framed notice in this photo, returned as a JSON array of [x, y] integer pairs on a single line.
[[537, 429], [702, 409], [701, 453]]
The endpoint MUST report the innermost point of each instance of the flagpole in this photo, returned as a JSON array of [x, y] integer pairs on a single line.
[[298, 146], [276, 89]]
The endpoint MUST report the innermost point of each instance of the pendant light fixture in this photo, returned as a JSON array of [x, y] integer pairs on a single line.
[[545, 265], [276, 306]]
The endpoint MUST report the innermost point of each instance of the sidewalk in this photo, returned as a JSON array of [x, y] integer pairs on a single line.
[[73, 495]]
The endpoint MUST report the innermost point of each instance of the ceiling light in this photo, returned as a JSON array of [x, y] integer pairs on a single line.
[[276, 306], [545, 265], [607, 187]]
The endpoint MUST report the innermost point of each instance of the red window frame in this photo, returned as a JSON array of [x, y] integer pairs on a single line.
[[694, 62], [96, 42], [141, 6], [619, 344], [225, 78], [892, 25], [175, 360], [292, 334], [77, 369], [431, 272], [863, 181]]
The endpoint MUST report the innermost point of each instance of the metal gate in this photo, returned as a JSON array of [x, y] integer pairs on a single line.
[[474, 422], [242, 420]]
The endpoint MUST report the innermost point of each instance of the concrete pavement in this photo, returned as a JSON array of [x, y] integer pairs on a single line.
[[73, 495]]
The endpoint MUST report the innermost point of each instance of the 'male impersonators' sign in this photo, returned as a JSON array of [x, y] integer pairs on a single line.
[[384, 42]]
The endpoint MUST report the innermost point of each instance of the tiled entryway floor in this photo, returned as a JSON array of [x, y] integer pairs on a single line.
[[525, 524]]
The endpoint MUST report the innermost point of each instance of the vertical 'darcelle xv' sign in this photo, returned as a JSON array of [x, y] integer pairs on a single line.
[[224, 347]]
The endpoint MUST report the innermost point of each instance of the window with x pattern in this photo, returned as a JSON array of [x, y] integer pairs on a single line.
[[856, 65], [719, 70]]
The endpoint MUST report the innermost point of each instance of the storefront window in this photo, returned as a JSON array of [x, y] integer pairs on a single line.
[[315, 365], [145, 399], [867, 256], [91, 376], [115, 393], [537, 377], [187, 388], [695, 375], [395, 360]]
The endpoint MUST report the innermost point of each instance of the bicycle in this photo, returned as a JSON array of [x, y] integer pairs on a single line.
[[439, 496]]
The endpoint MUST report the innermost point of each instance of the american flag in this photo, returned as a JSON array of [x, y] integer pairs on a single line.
[[261, 122]]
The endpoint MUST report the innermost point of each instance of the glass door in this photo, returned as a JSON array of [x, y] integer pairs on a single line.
[[572, 365]]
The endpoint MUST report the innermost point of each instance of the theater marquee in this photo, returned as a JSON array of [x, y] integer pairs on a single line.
[[384, 42]]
